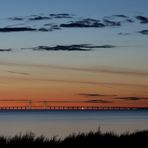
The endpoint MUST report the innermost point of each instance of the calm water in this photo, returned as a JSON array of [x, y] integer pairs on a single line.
[[62, 123]]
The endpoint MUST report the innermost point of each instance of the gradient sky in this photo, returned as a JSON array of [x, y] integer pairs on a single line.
[[112, 72]]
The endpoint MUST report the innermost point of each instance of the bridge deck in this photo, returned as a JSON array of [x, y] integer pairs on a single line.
[[70, 108]]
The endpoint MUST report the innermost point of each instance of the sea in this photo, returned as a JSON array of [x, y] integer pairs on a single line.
[[63, 123]]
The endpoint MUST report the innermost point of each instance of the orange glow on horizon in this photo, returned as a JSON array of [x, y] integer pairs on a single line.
[[48, 85]]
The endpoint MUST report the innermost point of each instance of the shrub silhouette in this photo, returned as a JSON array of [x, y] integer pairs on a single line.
[[97, 139]]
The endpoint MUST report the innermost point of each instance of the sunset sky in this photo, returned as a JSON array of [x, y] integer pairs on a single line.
[[83, 52]]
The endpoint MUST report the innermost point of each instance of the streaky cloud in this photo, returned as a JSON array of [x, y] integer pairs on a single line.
[[120, 16], [106, 46], [96, 69], [95, 95], [74, 101], [98, 101], [60, 15], [15, 25], [104, 69], [55, 101], [16, 18], [123, 33], [116, 70], [132, 98], [38, 18], [112, 85], [19, 73], [43, 17]]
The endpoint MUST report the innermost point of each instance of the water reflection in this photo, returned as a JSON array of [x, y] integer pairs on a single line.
[[62, 123]]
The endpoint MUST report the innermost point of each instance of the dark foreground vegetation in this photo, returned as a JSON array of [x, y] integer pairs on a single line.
[[93, 139]]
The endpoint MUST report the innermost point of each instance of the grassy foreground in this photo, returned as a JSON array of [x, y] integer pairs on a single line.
[[94, 139]]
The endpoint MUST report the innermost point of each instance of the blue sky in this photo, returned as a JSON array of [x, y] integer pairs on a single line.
[[96, 9], [81, 8]]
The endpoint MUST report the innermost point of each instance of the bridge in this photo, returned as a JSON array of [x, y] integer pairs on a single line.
[[54, 105], [93, 108]]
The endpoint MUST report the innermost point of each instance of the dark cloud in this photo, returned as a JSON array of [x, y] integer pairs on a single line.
[[132, 98], [94, 95], [43, 29], [84, 23], [42, 17], [121, 33], [15, 25], [100, 46], [64, 48], [120, 16], [145, 32], [48, 24], [16, 29], [16, 18], [22, 29], [91, 94], [3, 50], [116, 20], [75, 47], [98, 101], [54, 27], [129, 20], [38, 18], [60, 15], [76, 22], [142, 19], [110, 23]]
